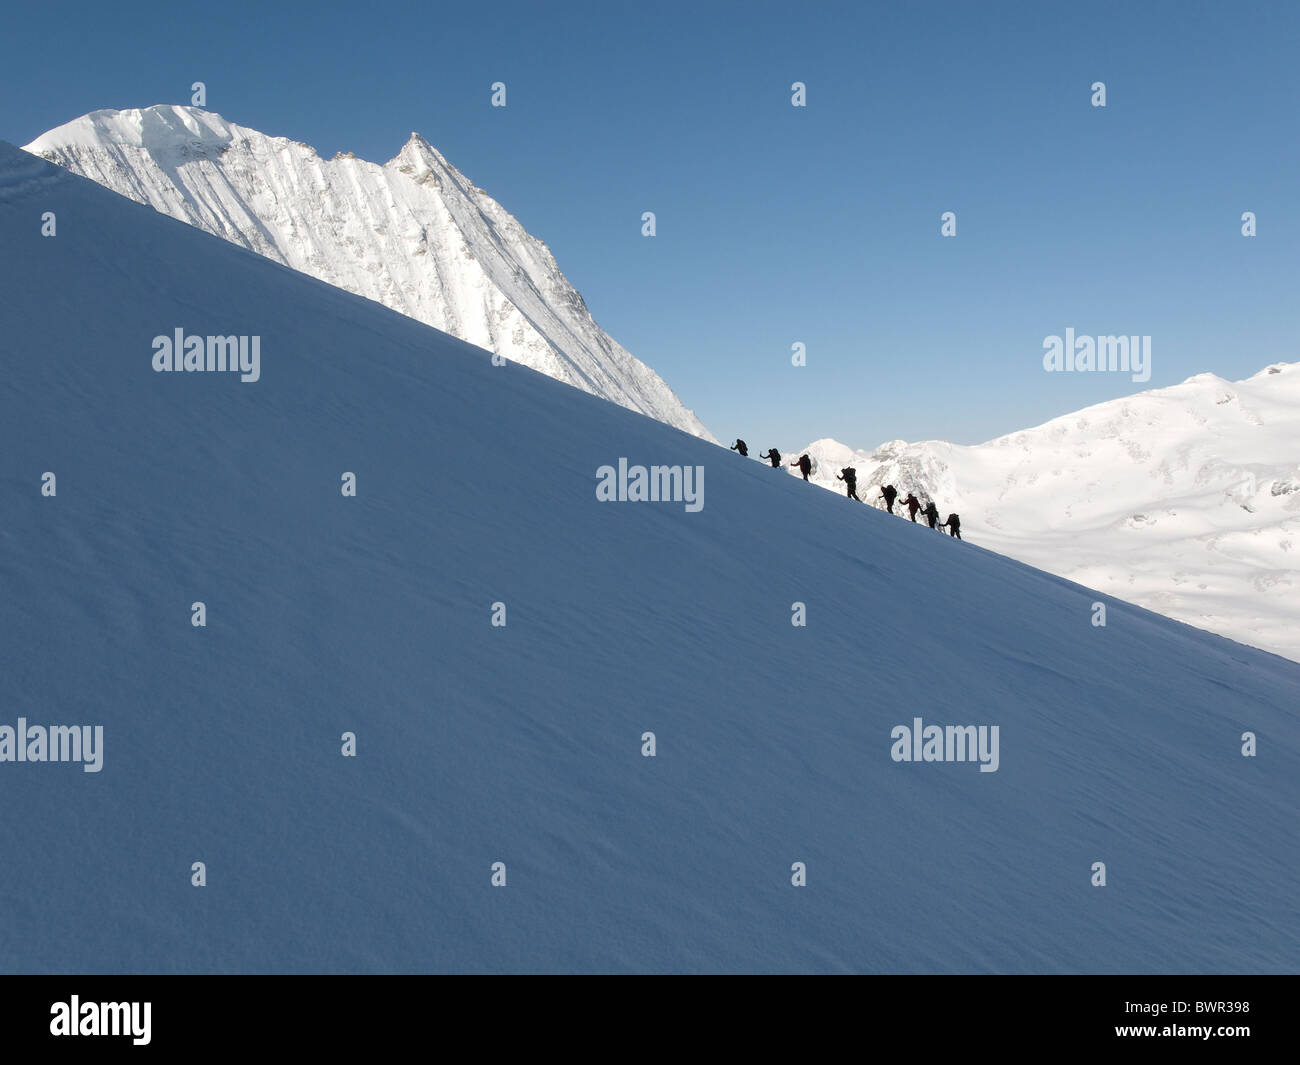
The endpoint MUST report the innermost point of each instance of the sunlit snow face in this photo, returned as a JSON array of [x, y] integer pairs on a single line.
[[413, 234]]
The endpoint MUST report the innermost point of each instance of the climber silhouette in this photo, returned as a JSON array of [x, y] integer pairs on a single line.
[[890, 493], [850, 478], [931, 515], [773, 456], [913, 505], [953, 525], [741, 446], [804, 464]]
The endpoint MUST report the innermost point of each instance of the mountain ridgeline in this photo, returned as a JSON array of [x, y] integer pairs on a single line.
[[414, 234], [1184, 499], [344, 706]]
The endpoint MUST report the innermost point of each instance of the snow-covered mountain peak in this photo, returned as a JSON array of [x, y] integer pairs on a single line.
[[159, 128], [423, 163], [414, 234], [1185, 498], [522, 746], [828, 449], [420, 154], [1276, 368]]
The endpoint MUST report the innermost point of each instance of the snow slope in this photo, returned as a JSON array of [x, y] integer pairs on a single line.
[[414, 234], [327, 614], [1184, 499]]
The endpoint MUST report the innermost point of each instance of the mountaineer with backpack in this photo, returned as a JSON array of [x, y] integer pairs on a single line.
[[953, 525], [850, 478], [890, 493], [913, 505], [742, 447], [804, 464], [772, 456], [931, 515]]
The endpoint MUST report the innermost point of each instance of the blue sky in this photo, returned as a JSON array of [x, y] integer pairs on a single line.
[[779, 224]]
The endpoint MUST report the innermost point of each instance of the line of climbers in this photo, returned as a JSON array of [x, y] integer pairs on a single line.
[[850, 478]]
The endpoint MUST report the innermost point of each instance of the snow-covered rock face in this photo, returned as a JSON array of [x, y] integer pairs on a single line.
[[414, 234], [1183, 499]]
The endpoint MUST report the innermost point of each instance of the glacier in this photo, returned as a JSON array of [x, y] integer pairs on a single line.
[[1183, 499]]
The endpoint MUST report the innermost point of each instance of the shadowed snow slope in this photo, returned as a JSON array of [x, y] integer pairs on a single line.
[[522, 744], [415, 235]]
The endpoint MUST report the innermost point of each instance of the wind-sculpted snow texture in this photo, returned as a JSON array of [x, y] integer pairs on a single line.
[[414, 234], [329, 614]]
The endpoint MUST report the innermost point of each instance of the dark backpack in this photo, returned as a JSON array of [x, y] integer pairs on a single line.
[[889, 492], [954, 521]]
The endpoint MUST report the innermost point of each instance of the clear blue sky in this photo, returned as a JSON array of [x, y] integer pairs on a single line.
[[778, 224]]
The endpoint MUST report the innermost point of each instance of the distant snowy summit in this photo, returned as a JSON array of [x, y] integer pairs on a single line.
[[414, 234], [1183, 499]]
